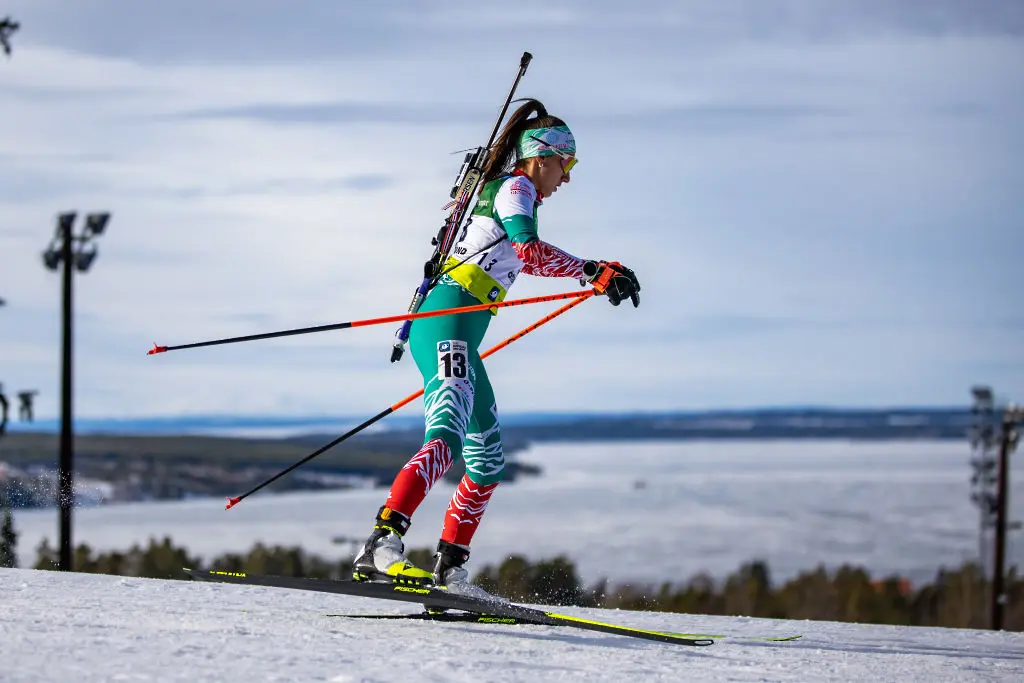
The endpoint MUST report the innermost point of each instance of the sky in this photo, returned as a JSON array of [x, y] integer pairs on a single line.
[[822, 201]]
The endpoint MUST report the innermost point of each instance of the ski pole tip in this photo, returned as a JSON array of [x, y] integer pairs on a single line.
[[232, 502], [156, 349]]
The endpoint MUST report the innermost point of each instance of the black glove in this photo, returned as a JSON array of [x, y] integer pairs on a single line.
[[614, 279]]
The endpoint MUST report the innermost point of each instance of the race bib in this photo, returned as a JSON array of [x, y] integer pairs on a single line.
[[452, 359]]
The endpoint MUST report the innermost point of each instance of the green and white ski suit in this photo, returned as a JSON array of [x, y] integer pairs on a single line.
[[498, 242]]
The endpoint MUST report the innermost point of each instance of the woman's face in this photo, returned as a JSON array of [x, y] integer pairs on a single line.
[[547, 174]]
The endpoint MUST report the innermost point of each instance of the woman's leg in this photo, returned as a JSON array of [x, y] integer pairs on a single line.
[[485, 465], [443, 348]]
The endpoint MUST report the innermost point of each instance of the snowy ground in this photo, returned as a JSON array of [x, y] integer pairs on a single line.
[[80, 628], [899, 507]]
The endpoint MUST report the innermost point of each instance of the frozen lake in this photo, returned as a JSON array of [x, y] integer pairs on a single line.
[[629, 511]]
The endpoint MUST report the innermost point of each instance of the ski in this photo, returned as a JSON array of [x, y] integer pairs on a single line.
[[446, 617], [436, 598], [475, 618], [735, 637]]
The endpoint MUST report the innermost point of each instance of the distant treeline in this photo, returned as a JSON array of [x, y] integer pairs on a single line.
[[783, 423], [957, 598], [758, 423]]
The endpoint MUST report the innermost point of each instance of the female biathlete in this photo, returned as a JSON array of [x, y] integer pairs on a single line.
[[531, 159]]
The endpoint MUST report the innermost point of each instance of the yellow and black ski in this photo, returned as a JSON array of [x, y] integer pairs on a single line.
[[437, 599], [473, 618]]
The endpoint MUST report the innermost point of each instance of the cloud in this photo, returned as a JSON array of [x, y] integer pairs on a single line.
[[34, 185], [820, 201], [342, 113], [287, 187], [63, 94], [700, 119], [263, 31]]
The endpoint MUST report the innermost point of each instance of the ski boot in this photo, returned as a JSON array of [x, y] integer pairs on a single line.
[[383, 555], [450, 574]]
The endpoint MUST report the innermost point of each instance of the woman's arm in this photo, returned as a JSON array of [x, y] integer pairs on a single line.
[[546, 260], [514, 206]]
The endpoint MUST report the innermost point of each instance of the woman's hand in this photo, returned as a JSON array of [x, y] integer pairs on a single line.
[[613, 279]]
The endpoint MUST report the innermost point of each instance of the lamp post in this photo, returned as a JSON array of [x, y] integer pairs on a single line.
[[984, 439], [1012, 417], [70, 251], [4, 406], [994, 436]]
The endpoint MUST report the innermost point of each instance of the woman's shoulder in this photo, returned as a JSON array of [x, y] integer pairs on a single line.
[[517, 186]]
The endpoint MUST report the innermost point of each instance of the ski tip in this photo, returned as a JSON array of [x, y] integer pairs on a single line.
[[232, 502], [156, 349]]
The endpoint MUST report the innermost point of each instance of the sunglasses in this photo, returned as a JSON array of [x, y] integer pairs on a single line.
[[568, 160]]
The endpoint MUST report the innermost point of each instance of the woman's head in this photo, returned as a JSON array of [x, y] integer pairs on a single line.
[[536, 143]]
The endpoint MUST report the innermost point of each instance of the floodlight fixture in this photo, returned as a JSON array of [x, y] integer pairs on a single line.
[[7, 28], [84, 259], [51, 258], [96, 223], [65, 221]]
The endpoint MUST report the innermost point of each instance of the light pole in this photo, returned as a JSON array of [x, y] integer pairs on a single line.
[[4, 406], [1012, 417], [68, 249], [984, 438], [993, 435]]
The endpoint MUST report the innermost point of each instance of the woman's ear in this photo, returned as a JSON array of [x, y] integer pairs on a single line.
[[532, 164]]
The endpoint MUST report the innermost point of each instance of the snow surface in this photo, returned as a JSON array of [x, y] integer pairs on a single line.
[[684, 507], [80, 628]]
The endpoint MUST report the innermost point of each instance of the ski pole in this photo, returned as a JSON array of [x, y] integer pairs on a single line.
[[580, 298], [370, 321]]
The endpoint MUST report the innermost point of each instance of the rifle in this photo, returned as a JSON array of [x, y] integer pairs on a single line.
[[462, 192]]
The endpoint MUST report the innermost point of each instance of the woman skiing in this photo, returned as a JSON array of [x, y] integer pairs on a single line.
[[530, 160]]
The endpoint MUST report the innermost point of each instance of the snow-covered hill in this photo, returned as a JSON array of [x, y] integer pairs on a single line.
[[79, 628]]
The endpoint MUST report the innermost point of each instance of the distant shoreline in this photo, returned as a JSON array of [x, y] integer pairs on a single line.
[[767, 423]]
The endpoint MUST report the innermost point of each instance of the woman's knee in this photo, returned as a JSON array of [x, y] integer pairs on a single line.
[[485, 463]]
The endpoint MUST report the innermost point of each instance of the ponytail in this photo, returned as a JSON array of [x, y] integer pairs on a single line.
[[504, 154]]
